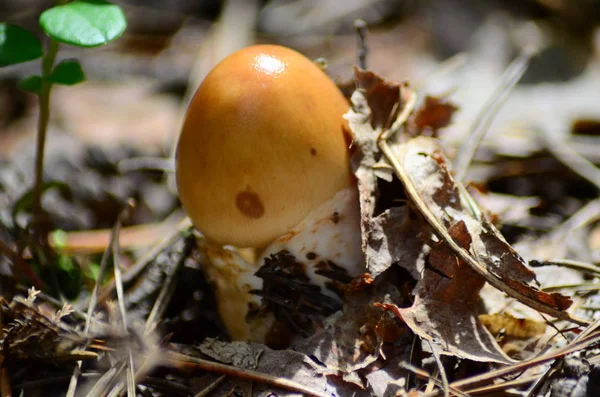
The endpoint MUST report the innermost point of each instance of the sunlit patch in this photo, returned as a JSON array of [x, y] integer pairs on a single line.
[[268, 64]]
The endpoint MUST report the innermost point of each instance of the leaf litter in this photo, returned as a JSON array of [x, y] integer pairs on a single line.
[[430, 252]]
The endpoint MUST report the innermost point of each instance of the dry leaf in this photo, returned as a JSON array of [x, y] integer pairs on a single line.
[[447, 292], [435, 113]]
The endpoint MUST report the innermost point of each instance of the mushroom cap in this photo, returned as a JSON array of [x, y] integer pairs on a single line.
[[263, 143]]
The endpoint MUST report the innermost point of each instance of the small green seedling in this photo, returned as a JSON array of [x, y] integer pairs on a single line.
[[81, 23]]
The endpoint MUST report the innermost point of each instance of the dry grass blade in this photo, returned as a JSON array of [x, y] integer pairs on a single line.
[[134, 271], [522, 366], [441, 370], [443, 233], [425, 375], [97, 241], [116, 252], [182, 361], [569, 264], [114, 239], [103, 384], [482, 123], [565, 153], [163, 299], [361, 37], [500, 387], [211, 387]]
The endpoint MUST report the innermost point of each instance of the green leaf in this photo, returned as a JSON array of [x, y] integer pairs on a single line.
[[17, 45], [84, 23], [31, 84], [68, 72]]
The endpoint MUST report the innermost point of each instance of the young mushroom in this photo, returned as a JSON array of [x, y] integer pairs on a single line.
[[262, 151]]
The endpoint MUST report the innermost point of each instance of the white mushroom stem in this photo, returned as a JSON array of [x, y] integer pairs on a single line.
[[328, 236]]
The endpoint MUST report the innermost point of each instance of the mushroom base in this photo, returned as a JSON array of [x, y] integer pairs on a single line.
[[295, 280]]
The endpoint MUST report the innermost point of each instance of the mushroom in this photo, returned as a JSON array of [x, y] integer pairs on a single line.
[[263, 162], [262, 145]]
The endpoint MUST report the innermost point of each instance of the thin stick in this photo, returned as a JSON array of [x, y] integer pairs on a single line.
[[522, 366], [44, 96], [361, 36], [569, 264], [94, 300], [441, 369], [135, 270], [180, 360], [565, 153], [484, 119], [116, 251], [425, 375]]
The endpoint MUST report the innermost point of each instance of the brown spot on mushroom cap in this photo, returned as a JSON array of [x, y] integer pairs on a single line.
[[249, 204], [313, 151]]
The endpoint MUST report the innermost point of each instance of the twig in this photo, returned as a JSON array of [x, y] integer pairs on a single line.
[[102, 385], [361, 36], [166, 291], [565, 153], [485, 117], [205, 392], [116, 251], [584, 216], [425, 375], [135, 270], [94, 298], [569, 264], [522, 366], [492, 389], [441, 369], [180, 360]]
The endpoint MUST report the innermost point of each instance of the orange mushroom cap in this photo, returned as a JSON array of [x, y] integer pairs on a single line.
[[263, 143]]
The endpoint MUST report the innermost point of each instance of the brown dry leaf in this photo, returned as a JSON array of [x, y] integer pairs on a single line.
[[386, 233], [351, 340], [428, 170], [435, 113], [447, 293]]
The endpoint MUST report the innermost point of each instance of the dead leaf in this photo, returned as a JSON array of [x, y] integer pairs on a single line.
[[386, 232], [447, 293], [436, 113], [351, 340]]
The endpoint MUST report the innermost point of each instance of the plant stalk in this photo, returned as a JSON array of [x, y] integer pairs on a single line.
[[47, 67]]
